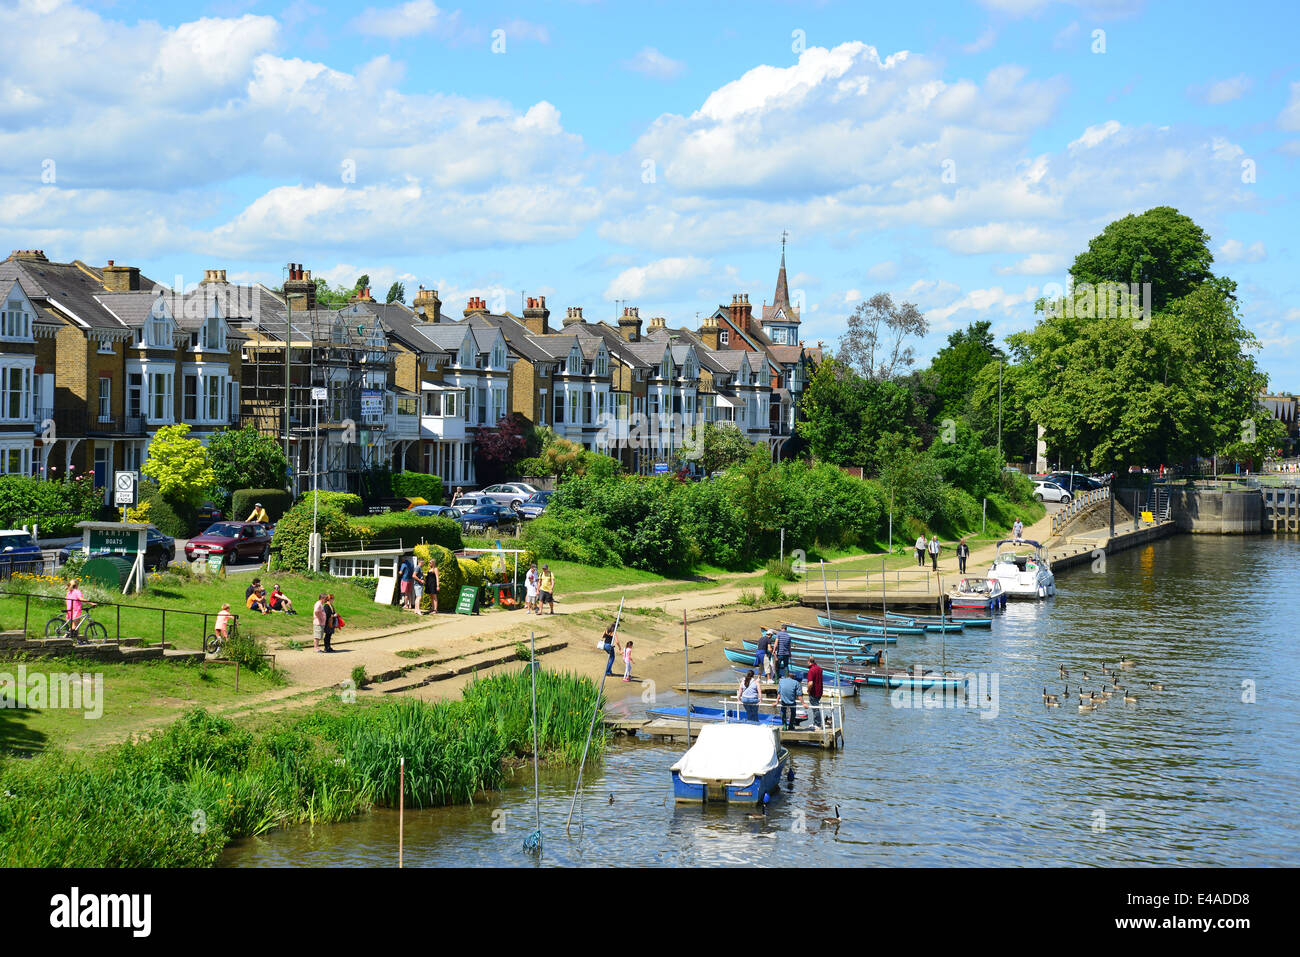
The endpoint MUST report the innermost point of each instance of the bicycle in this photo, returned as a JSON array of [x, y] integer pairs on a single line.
[[212, 644], [60, 626]]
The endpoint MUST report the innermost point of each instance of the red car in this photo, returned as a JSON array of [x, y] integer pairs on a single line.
[[235, 540]]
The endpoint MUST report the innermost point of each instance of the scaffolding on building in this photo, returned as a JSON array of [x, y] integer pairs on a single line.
[[339, 370]]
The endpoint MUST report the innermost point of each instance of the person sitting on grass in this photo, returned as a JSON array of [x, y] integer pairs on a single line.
[[280, 602], [257, 600]]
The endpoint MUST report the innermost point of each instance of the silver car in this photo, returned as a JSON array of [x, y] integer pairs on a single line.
[[507, 492]]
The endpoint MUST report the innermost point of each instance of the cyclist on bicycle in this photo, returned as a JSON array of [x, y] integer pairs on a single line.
[[223, 621], [73, 600]]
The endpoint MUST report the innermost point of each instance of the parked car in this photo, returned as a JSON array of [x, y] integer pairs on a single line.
[[19, 553], [507, 492], [437, 511], [489, 516], [206, 514], [235, 540], [1074, 481], [159, 550], [535, 504], [468, 500], [1051, 492]]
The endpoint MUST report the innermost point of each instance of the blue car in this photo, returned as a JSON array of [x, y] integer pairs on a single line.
[[19, 553], [482, 517], [535, 504], [436, 511]]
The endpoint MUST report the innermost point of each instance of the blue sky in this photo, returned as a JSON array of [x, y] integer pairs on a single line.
[[957, 155]]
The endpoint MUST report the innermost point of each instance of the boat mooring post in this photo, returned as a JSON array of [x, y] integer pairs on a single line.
[[686, 656], [595, 710], [401, 807], [884, 610], [536, 838]]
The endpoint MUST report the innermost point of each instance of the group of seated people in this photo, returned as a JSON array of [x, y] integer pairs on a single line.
[[256, 598]]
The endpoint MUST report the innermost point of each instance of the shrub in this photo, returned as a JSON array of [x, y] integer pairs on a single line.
[[55, 506], [958, 511], [715, 523], [345, 502], [359, 678], [573, 537], [171, 518], [247, 649], [471, 573], [418, 485], [369, 585], [781, 569], [449, 575], [411, 528], [293, 532], [276, 501]]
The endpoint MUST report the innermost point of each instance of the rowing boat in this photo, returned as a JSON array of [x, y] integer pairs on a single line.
[[859, 626], [859, 635], [823, 651], [966, 621]]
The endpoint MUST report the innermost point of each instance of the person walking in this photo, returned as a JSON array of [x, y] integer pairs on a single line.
[[782, 651], [431, 585], [331, 622], [788, 691], [934, 552], [318, 621], [405, 574], [627, 661], [920, 551], [751, 689], [814, 682], [530, 590], [417, 582], [1018, 529], [761, 653], [547, 594], [963, 553], [609, 644]]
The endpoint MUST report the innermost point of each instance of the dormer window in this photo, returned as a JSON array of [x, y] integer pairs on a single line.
[[499, 356], [212, 338], [602, 364], [724, 337], [466, 358], [574, 366], [15, 321], [158, 333]]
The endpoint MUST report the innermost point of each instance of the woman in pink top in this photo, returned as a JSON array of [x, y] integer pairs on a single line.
[[72, 600]]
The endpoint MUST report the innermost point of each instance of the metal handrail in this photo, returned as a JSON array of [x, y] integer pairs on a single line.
[[162, 631]]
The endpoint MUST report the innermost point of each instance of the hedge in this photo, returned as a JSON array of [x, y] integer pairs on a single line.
[[345, 502], [293, 532], [276, 501], [178, 521], [412, 528], [418, 485]]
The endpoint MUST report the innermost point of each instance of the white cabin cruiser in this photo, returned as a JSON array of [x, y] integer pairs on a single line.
[[1023, 569]]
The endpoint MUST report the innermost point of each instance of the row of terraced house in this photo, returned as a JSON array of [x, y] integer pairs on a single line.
[[94, 360]]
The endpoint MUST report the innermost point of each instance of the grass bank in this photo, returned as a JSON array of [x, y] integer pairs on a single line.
[[179, 797], [177, 594]]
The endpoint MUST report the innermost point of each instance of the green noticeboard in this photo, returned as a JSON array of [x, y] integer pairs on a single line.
[[467, 603], [217, 564], [112, 542]]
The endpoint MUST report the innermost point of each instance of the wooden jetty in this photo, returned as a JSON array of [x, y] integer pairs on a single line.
[[729, 688], [672, 728]]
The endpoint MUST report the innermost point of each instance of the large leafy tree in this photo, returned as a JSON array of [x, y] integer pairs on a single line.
[[953, 372], [1161, 246], [179, 466], [722, 446], [1019, 431], [497, 451], [844, 414], [396, 292], [245, 458]]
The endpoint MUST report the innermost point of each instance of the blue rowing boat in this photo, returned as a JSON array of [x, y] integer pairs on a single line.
[[847, 652], [701, 713], [965, 621], [929, 624], [858, 635], [860, 626]]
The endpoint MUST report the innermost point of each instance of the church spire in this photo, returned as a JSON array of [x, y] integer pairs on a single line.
[[782, 297]]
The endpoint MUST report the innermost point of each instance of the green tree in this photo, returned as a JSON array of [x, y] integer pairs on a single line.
[[179, 465], [1161, 246], [963, 460], [396, 292], [1019, 431], [876, 344], [245, 458], [363, 281], [843, 414], [955, 367], [722, 446]]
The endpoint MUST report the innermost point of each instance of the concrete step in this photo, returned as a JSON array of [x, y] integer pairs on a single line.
[[441, 671]]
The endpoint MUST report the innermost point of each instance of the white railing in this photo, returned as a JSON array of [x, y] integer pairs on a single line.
[[1077, 506], [830, 711]]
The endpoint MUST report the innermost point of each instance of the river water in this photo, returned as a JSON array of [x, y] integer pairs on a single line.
[[1198, 774]]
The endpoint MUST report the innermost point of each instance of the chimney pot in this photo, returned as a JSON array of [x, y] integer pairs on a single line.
[[110, 262]]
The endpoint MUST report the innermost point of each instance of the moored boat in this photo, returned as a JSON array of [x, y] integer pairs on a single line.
[[738, 763], [966, 621], [849, 624], [825, 652], [929, 624], [986, 594], [1023, 569]]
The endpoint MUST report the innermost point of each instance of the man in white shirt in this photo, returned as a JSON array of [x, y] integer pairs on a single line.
[[934, 552]]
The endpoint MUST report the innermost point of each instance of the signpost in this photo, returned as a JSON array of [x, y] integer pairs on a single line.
[[129, 539], [467, 603], [125, 489], [661, 468]]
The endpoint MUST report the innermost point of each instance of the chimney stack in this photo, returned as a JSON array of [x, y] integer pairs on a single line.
[[118, 278], [709, 330], [658, 322], [475, 305], [213, 275], [299, 289], [38, 255], [537, 317], [630, 324], [427, 304], [572, 314], [740, 311]]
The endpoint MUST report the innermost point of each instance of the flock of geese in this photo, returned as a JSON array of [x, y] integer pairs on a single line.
[[1092, 700]]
